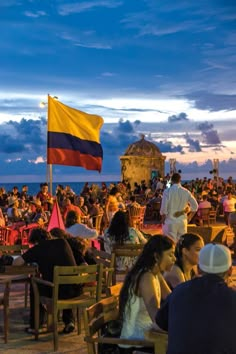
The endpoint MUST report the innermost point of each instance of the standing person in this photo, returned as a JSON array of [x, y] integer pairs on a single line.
[[228, 206], [176, 203], [143, 289], [199, 315], [112, 204]]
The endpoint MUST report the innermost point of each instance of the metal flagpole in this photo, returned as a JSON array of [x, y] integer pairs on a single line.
[[49, 166]]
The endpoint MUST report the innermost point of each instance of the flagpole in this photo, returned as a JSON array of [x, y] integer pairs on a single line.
[[49, 166]]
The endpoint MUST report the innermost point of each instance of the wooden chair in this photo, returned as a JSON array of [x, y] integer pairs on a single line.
[[203, 216], [5, 235], [159, 340], [141, 216], [126, 250], [114, 290], [212, 216], [96, 317], [108, 261], [20, 274], [64, 276], [4, 301], [97, 222], [134, 215]]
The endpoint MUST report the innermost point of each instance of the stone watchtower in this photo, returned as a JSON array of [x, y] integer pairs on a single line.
[[142, 161]]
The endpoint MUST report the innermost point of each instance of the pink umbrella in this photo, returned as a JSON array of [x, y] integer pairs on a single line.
[[56, 218]]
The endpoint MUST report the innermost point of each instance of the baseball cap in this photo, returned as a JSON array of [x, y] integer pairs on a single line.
[[214, 259]]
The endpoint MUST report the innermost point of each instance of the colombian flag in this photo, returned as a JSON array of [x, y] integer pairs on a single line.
[[73, 137]]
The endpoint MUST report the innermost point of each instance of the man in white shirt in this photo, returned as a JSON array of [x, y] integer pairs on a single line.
[[176, 203]]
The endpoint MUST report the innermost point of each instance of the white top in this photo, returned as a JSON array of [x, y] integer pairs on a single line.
[[176, 198], [83, 231], [137, 321], [135, 237]]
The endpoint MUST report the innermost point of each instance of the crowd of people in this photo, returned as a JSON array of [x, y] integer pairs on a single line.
[[177, 284]]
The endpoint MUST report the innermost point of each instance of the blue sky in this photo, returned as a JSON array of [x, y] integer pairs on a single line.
[[165, 68]]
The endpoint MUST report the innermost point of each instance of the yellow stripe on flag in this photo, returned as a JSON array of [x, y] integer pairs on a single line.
[[64, 119]]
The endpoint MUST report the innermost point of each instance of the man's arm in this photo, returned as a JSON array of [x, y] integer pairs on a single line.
[[86, 232], [164, 204], [192, 202]]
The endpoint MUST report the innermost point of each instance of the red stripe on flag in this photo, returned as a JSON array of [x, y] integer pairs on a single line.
[[73, 158]]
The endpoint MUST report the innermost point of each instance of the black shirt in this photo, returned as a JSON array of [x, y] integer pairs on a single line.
[[199, 317]]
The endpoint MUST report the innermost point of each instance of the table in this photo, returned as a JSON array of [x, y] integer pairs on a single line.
[[214, 233]]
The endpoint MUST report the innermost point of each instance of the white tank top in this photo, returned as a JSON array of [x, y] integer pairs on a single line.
[[137, 321]]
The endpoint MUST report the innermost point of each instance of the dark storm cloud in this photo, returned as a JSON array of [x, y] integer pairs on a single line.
[[194, 145], [209, 134], [26, 136], [213, 102], [168, 146], [178, 118], [125, 126]]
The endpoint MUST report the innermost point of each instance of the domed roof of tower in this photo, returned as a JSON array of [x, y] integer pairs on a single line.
[[143, 147]]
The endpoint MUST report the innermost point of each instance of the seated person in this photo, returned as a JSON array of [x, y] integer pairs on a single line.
[[76, 229], [204, 204], [144, 288], [47, 253], [68, 206], [120, 233], [186, 253], [199, 315]]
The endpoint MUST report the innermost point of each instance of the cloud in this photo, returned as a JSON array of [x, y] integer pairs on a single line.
[[194, 145], [125, 126], [168, 146], [78, 7], [213, 102], [35, 14], [209, 134], [178, 118], [96, 45], [108, 74]]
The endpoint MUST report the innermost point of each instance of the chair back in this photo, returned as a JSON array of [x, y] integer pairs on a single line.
[[108, 261], [141, 216], [114, 290], [97, 222], [204, 215], [84, 274], [5, 235], [126, 250]]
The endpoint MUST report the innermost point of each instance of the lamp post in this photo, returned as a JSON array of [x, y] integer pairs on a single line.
[[49, 166]]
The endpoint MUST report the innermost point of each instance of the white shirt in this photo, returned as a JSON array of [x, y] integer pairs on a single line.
[[83, 231], [176, 198]]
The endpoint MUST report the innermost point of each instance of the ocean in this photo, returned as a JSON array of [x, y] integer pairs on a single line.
[[34, 188]]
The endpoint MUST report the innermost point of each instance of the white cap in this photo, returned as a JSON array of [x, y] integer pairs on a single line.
[[214, 259]]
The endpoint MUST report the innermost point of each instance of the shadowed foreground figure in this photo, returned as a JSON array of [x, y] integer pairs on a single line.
[[199, 315]]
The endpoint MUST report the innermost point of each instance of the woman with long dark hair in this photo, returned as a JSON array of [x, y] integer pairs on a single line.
[[186, 253], [144, 288], [119, 233]]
